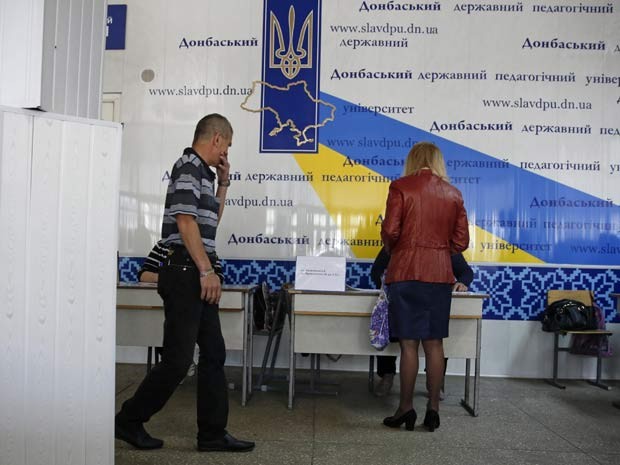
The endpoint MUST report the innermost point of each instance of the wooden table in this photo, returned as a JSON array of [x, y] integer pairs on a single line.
[[337, 323], [140, 320]]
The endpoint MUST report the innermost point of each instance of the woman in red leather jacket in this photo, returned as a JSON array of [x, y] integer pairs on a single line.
[[425, 223]]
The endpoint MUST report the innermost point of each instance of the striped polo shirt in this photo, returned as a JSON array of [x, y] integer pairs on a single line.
[[191, 191]]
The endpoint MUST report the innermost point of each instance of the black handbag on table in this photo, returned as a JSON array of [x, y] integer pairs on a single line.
[[568, 315]]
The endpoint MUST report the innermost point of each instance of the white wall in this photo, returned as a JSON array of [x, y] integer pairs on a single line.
[[74, 40], [21, 52], [59, 181], [51, 55]]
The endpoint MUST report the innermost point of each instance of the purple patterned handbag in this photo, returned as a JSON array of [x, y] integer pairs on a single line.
[[379, 330]]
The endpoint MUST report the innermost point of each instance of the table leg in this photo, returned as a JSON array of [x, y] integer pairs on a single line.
[[149, 358], [465, 399], [473, 410], [244, 357], [598, 382], [477, 368], [291, 362], [313, 358], [556, 350], [250, 330]]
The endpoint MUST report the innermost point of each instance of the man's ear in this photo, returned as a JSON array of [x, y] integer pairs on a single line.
[[216, 139]]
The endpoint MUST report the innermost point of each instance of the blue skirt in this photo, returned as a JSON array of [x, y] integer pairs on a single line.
[[419, 310]]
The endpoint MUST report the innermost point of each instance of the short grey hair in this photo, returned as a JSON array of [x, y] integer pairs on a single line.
[[211, 124]]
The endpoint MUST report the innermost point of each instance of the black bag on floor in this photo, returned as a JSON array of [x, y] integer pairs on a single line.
[[568, 315]]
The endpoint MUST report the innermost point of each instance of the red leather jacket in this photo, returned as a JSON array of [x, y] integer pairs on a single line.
[[425, 222]]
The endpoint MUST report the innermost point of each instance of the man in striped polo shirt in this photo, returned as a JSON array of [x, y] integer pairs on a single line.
[[191, 292]]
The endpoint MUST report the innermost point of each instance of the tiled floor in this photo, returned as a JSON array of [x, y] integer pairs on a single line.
[[521, 422]]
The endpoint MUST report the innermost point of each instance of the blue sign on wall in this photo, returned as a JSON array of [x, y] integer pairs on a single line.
[[290, 77], [115, 27]]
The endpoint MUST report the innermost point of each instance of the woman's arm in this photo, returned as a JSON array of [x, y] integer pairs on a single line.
[[460, 234], [390, 228]]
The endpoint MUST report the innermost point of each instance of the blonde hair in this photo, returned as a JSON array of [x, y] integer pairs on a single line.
[[426, 155]]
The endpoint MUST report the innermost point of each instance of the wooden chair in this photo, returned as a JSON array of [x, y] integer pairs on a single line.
[[587, 298]]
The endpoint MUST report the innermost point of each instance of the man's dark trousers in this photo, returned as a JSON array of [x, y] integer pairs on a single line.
[[189, 320]]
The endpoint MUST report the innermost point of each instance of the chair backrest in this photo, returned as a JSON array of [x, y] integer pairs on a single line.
[[583, 296]]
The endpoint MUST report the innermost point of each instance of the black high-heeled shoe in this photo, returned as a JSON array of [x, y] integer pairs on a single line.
[[431, 420], [408, 418]]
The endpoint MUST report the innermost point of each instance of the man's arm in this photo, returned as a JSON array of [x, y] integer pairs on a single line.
[[211, 288], [379, 266], [462, 272], [223, 181], [222, 189]]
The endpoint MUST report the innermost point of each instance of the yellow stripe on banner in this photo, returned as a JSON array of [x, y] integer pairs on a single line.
[[354, 197], [487, 247], [354, 206]]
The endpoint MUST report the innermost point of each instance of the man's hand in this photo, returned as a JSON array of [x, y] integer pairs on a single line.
[[459, 287], [211, 288], [223, 168]]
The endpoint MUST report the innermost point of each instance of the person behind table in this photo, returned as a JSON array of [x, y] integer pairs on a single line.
[[149, 271], [386, 364], [191, 291], [425, 223]]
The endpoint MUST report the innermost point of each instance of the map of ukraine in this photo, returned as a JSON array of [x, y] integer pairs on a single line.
[[287, 116]]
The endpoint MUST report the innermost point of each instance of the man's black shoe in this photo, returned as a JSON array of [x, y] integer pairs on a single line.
[[135, 434], [225, 444]]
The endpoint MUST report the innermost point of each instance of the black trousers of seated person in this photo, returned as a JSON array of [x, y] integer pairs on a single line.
[[188, 320], [386, 365]]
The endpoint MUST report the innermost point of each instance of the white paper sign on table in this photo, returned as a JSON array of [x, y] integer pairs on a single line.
[[320, 273]]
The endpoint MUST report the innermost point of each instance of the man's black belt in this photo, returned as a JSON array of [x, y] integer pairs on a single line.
[[180, 249]]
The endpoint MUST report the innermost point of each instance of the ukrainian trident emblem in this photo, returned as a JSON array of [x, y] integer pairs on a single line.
[[290, 60]]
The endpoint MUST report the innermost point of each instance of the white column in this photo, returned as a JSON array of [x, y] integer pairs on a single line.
[[59, 185]]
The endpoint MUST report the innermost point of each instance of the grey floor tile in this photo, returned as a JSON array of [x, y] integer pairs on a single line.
[[126, 376], [607, 459], [441, 452], [587, 422], [265, 453], [268, 418], [521, 422], [357, 418], [404, 452], [264, 418], [526, 457], [498, 433]]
